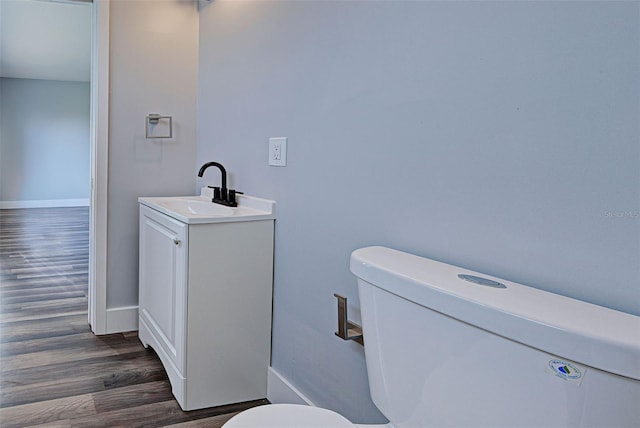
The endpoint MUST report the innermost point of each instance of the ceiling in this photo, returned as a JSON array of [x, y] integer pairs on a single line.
[[45, 39]]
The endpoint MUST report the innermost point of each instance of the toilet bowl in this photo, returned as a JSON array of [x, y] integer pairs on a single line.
[[288, 416], [446, 346]]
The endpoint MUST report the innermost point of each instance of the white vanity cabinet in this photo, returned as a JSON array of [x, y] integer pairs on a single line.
[[205, 302]]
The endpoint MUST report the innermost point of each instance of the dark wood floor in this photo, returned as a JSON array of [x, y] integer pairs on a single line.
[[53, 371]]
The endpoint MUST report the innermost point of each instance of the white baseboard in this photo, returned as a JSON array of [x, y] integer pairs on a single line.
[[280, 390], [122, 319], [48, 203]]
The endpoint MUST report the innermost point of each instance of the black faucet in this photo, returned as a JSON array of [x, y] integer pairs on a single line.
[[222, 196]]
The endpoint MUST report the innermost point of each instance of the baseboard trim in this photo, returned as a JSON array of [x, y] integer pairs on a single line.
[[122, 319], [281, 391], [47, 203]]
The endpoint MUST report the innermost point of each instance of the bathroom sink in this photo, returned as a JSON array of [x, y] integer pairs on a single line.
[[200, 209], [195, 206]]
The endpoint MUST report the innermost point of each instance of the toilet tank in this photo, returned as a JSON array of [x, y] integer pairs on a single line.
[[443, 351]]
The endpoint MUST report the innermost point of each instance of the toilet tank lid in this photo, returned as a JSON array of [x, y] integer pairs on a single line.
[[593, 335]]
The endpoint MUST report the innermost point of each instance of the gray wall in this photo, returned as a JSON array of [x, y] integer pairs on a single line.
[[44, 140], [153, 69], [498, 136]]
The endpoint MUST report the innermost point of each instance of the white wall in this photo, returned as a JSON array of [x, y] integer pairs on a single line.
[[499, 136], [44, 141], [153, 69]]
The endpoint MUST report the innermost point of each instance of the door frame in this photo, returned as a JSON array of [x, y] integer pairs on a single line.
[[97, 290]]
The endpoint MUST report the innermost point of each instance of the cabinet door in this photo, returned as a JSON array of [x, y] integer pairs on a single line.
[[163, 281]]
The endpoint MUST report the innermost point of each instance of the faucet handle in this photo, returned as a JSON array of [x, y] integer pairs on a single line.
[[216, 192]]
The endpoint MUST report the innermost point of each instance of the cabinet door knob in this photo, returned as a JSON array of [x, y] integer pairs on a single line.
[[176, 241]]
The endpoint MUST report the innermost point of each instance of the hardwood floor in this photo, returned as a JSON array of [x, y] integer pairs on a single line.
[[53, 371]]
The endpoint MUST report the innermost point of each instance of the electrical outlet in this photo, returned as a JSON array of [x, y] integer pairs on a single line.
[[278, 151]]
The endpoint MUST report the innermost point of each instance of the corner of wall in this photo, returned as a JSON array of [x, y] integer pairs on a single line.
[[281, 391]]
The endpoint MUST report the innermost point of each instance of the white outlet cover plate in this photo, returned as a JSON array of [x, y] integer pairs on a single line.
[[274, 144]]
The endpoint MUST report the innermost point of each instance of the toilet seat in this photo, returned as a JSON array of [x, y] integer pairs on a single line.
[[288, 416]]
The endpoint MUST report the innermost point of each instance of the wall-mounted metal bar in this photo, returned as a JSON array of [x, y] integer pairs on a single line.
[[347, 330], [153, 119]]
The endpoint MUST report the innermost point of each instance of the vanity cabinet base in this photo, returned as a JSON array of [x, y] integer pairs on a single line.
[[211, 324]]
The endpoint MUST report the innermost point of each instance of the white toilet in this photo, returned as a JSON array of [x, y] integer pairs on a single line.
[[447, 347]]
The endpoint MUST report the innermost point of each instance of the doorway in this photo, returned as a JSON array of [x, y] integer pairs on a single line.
[[54, 95]]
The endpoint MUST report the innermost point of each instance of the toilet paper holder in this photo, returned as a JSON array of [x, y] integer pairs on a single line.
[[347, 330]]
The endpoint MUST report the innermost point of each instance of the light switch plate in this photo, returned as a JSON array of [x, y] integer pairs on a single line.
[[278, 151]]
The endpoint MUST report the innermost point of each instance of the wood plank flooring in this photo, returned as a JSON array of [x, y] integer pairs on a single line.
[[53, 371]]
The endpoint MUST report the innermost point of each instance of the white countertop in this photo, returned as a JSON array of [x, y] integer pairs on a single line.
[[200, 209]]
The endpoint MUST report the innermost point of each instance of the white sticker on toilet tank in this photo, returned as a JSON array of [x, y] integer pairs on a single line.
[[566, 370]]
